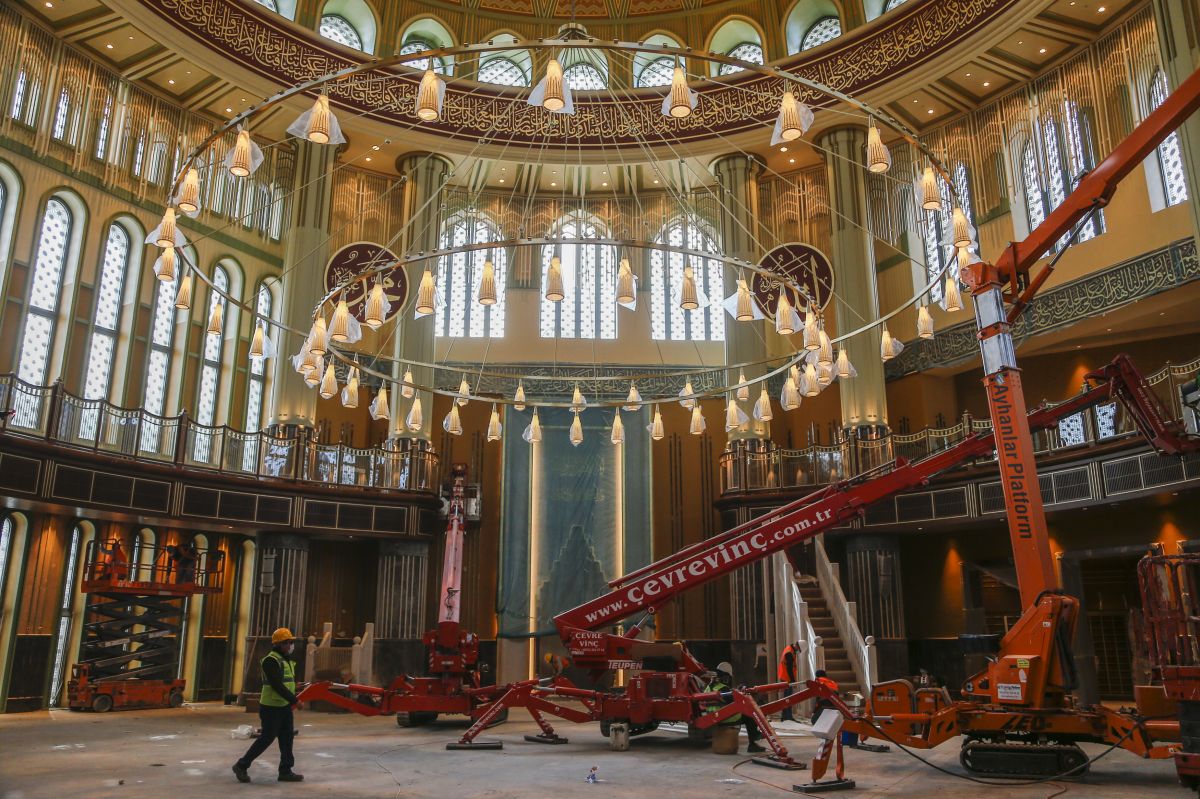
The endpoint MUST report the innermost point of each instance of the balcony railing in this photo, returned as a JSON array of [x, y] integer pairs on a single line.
[[759, 466], [53, 414]]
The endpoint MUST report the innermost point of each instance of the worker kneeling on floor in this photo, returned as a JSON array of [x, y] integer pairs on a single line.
[[275, 708], [722, 683]]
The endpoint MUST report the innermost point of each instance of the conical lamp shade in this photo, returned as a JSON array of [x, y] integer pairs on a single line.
[[318, 129], [166, 229], [189, 192], [452, 424], [415, 419], [811, 386], [681, 99], [824, 374], [164, 267], [844, 369], [618, 429], [379, 406], [743, 392], [376, 305], [406, 387], [962, 229], [553, 99], [625, 287], [257, 349], [215, 318], [953, 298], [688, 400], [924, 322], [825, 351], [554, 281], [762, 408], [519, 397], [533, 433], [689, 299], [887, 346], [697, 425], [318, 343], [241, 162], [429, 97], [812, 332], [578, 403], [339, 326], [183, 297], [783, 315], [657, 429], [494, 427], [732, 416], [312, 375], [745, 303], [879, 160], [487, 284], [329, 383], [789, 397], [576, 431], [350, 391], [425, 294], [464, 392], [791, 127], [634, 400], [931, 198]]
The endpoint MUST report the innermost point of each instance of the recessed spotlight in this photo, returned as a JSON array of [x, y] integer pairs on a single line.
[[131, 38], [605, 183], [228, 110], [189, 72], [171, 81], [375, 147], [501, 180], [915, 101], [1042, 51], [987, 83], [553, 184], [930, 111], [968, 74], [791, 160], [783, 149], [1101, 10], [656, 181], [108, 46], [605, 172], [1020, 41], [49, 4]]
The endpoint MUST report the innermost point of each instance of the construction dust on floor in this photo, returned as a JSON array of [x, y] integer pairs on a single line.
[[188, 753]]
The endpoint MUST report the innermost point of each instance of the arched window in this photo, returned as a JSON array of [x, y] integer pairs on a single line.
[[938, 226], [102, 128], [583, 77], [337, 28], [417, 44], [1066, 152], [890, 4], [158, 362], [746, 51], [210, 369], [826, 29], [25, 99], [41, 315], [63, 130], [459, 276], [656, 73], [66, 604], [1169, 156], [6, 533], [589, 308], [256, 390], [667, 320], [503, 71], [106, 323]]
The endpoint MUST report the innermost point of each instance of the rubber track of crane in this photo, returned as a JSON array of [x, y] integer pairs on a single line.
[[1019, 760]]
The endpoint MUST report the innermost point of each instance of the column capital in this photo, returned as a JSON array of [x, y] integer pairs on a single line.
[[411, 159], [840, 137], [727, 165]]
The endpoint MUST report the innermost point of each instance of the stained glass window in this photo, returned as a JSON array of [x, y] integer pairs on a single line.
[[64, 619], [26, 94], [415, 44], [584, 77], [746, 51], [102, 128], [210, 369], [503, 71], [1035, 207], [826, 29], [1066, 154], [62, 117], [256, 389], [1170, 158], [42, 311], [105, 324], [667, 320], [338, 28], [458, 277], [657, 73], [589, 309], [158, 364]]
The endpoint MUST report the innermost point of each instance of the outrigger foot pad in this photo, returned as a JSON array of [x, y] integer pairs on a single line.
[[475, 745], [871, 747], [774, 762], [827, 785], [545, 739]]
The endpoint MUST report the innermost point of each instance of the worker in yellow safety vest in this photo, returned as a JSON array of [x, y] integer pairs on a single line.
[[275, 708], [787, 673], [722, 683]]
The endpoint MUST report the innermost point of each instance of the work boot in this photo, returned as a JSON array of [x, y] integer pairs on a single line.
[[290, 776], [240, 772], [755, 748]]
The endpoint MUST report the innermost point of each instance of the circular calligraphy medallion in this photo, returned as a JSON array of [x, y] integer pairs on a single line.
[[802, 264], [353, 259]]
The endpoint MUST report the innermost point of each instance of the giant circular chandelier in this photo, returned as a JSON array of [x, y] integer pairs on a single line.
[[652, 126]]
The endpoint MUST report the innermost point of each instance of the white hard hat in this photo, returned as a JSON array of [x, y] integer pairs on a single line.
[[725, 667]]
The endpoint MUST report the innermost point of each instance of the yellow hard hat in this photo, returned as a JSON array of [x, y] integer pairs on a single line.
[[281, 635]]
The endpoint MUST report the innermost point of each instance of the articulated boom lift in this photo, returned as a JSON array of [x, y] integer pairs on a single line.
[[453, 684]]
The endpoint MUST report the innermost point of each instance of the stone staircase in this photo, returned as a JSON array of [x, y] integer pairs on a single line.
[[837, 661]]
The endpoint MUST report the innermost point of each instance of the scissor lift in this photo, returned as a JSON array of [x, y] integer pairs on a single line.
[[133, 625]]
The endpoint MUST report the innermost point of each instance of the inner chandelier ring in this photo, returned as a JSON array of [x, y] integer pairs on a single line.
[[814, 93]]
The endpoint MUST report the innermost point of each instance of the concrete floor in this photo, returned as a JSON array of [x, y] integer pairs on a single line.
[[187, 753]]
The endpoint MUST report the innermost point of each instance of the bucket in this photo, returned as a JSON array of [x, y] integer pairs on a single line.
[[725, 739]]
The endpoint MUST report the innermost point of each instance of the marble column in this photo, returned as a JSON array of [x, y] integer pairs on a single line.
[[401, 589], [863, 399], [737, 176], [305, 253], [1178, 26], [425, 176]]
